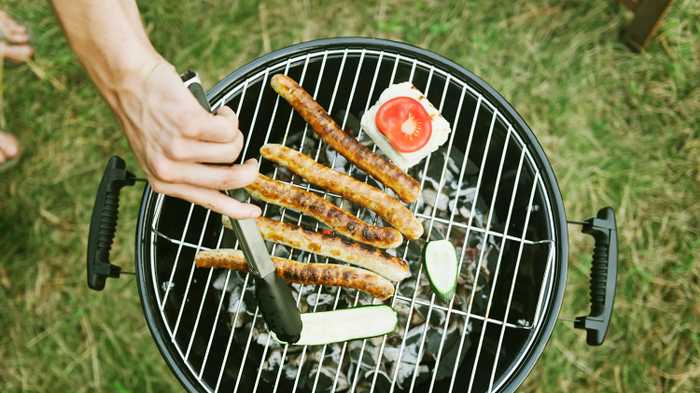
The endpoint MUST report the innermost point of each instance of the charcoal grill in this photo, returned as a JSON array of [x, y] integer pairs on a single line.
[[490, 190]]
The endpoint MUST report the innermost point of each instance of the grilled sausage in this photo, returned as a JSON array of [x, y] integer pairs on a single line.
[[304, 273], [370, 258], [305, 202], [373, 164], [363, 194]]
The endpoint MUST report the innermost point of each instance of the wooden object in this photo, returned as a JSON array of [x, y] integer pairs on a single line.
[[647, 19]]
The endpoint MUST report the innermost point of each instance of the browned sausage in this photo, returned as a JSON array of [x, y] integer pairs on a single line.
[[373, 164], [364, 256], [304, 273], [361, 193], [308, 203]]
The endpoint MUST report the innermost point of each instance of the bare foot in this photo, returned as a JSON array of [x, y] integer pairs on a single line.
[[14, 40], [9, 148]]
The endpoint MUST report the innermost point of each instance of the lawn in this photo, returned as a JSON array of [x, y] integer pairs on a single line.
[[621, 129]]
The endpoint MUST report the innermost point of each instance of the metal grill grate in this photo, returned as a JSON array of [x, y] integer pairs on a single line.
[[361, 68]]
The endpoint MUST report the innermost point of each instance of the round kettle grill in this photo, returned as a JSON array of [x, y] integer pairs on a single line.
[[490, 190]]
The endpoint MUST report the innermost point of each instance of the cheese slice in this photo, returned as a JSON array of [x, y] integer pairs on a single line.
[[441, 127]]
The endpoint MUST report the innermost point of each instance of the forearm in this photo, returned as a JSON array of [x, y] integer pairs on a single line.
[[109, 39], [179, 145]]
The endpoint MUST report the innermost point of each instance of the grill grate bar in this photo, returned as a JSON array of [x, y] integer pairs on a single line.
[[189, 279], [301, 145], [430, 227], [177, 258], [228, 273], [205, 291], [235, 318], [274, 176], [335, 304], [357, 294], [393, 300], [488, 226], [432, 297], [515, 275], [498, 261], [461, 313], [464, 243]]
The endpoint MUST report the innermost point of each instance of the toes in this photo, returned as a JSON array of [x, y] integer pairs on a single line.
[[18, 53], [17, 37], [9, 148]]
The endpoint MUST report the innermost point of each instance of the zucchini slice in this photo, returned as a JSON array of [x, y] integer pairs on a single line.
[[337, 326], [440, 261]]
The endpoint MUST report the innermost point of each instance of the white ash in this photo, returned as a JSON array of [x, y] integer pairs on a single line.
[[167, 285], [223, 279], [435, 199]]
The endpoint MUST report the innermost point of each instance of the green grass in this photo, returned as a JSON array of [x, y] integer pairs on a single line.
[[621, 129]]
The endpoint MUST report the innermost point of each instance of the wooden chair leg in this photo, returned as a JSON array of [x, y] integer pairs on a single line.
[[647, 19]]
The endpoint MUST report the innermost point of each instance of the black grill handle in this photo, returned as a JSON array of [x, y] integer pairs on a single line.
[[103, 223], [603, 228]]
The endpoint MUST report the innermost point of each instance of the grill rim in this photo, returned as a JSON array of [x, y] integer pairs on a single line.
[[549, 315]]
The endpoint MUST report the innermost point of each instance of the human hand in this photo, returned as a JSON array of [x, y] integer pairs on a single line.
[[179, 145]]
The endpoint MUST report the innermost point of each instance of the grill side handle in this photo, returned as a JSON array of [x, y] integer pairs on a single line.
[[103, 223], [603, 228]]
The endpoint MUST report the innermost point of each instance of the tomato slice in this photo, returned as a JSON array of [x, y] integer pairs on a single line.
[[405, 123]]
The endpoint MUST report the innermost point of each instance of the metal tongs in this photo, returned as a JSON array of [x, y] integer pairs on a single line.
[[275, 300]]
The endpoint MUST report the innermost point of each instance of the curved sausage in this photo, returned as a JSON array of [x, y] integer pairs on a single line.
[[372, 163]]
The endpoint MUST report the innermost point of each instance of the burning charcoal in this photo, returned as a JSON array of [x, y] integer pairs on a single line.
[[315, 300], [275, 358], [523, 322], [417, 318], [432, 198], [382, 383], [466, 194], [167, 285], [452, 205], [452, 166], [221, 280], [437, 317], [290, 372], [336, 161], [322, 378], [281, 251], [262, 338], [234, 302]]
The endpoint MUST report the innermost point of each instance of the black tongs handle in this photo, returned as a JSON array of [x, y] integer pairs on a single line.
[[603, 228]]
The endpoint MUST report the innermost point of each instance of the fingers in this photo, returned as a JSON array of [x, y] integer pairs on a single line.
[[208, 176], [15, 33], [210, 199], [209, 139], [205, 152], [222, 128], [17, 37]]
